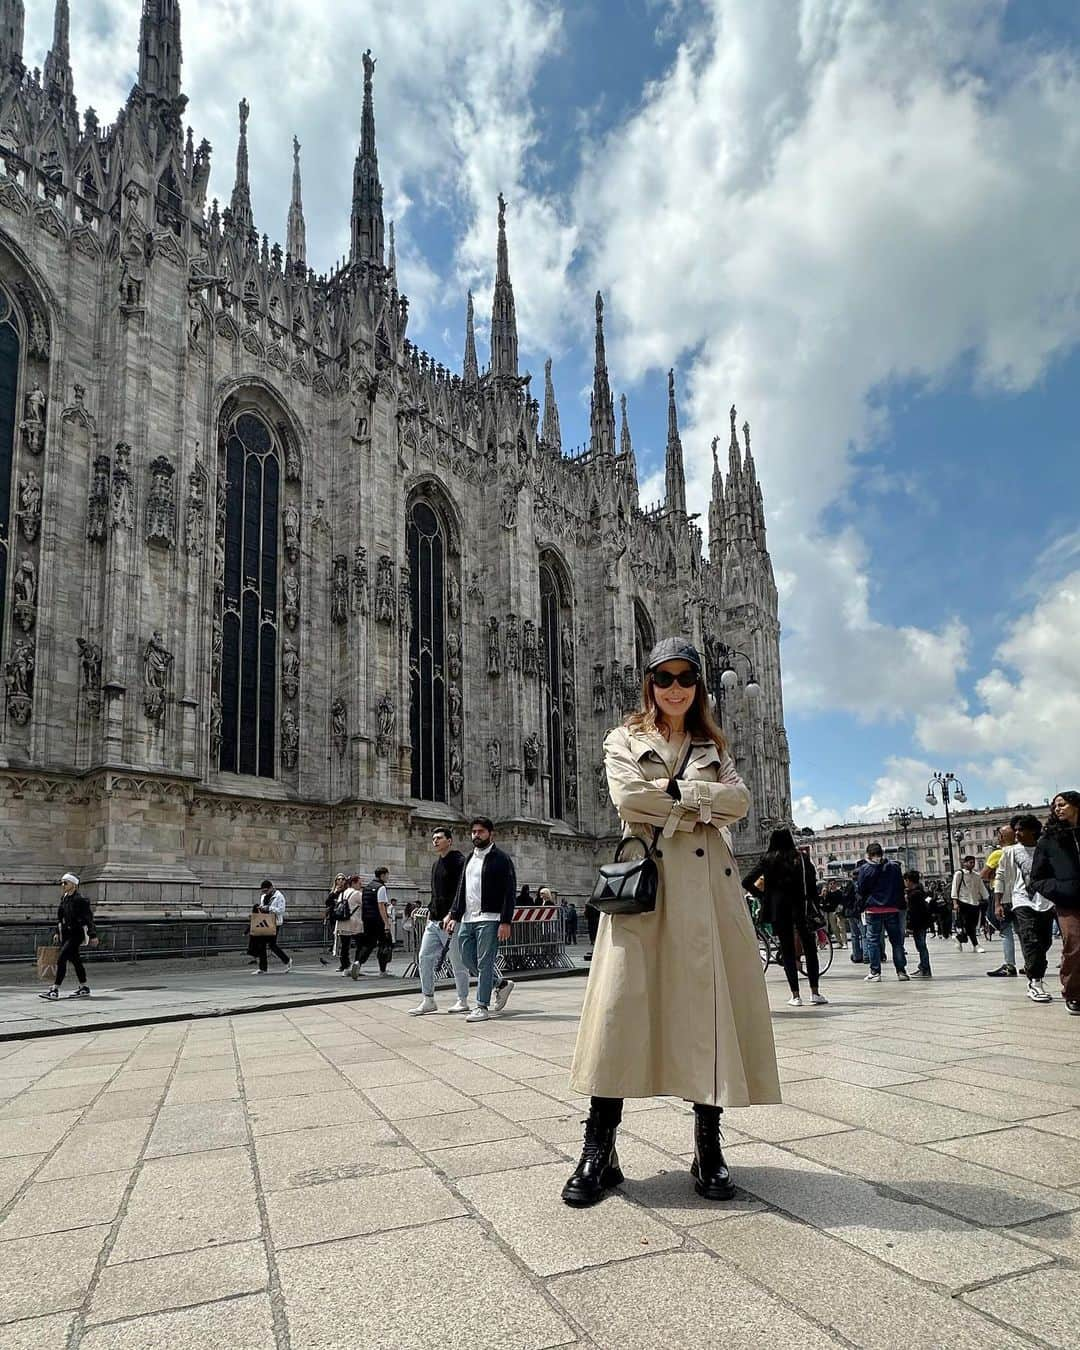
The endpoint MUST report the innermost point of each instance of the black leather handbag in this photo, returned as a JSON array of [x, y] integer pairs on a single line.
[[630, 887]]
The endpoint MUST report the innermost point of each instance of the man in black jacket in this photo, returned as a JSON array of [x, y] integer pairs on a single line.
[[920, 917], [1055, 873], [484, 910], [74, 925], [446, 873]]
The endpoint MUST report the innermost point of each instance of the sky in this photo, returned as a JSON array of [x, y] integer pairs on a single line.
[[854, 219]]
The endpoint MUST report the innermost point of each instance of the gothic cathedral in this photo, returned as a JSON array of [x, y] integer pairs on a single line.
[[277, 591]]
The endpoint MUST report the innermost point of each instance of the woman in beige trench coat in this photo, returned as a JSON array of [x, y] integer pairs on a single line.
[[676, 1003]]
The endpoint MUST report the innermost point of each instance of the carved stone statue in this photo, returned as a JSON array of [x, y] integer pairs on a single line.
[[494, 757], [290, 669], [570, 743], [290, 586], [494, 663], [457, 776], [123, 502], [319, 523], [630, 686], [387, 719], [195, 517], [599, 693], [97, 514], [157, 664], [528, 648], [453, 701], [215, 728], [292, 532], [571, 793], [34, 424], [339, 590], [290, 738], [19, 680], [292, 460], [453, 596], [29, 505], [603, 797], [384, 590], [24, 590], [476, 590], [360, 580], [513, 643], [161, 504], [568, 694], [508, 505], [531, 751], [567, 648], [616, 687], [405, 600], [90, 660], [339, 720]]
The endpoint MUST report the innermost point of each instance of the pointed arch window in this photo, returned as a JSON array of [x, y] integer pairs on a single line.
[[426, 538], [558, 684], [10, 351], [250, 599], [644, 635]]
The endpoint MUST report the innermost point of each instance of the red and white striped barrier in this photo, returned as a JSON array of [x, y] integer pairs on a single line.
[[535, 914]]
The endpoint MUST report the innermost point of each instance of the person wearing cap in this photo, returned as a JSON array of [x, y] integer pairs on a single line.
[[676, 1003], [74, 926], [271, 901]]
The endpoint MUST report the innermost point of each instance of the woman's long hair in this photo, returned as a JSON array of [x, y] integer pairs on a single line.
[[1053, 825], [700, 723]]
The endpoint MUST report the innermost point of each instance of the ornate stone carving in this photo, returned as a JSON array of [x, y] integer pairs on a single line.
[[123, 500], [319, 522], [528, 648], [339, 721], [360, 580], [453, 596], [600, 777], [567, 648], [292, 532], [494, 758], [157, 668], [290, 738], [38, 343], [453, 703], [513, 643], [405, 601], [290, 669], [457, 775], [90, 661], [384, 590], [568, 697], [508, 506], [97, 512], [339, 590], [453, 654], [531, 751], [599, 693], [290, 586], [195, 515], [386, 715], [494, 661], [630, 686], [215, 729], [161, 504], [19, 681], [570, 743], [33, 426], [24, 591], [616, 687], [571, 794], [476, 590], [292, 454], [29, 510]]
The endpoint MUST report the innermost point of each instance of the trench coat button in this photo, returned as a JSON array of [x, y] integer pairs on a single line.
[[700, 852], [727, 871], [658, 853]]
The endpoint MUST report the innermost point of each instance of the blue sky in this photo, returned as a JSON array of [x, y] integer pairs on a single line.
[[856, 219]]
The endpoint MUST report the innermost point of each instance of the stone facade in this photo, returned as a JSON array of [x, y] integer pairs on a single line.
[[190, 703]]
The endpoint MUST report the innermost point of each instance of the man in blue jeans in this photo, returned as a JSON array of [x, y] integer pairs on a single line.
[[437, 942], [881, 886], [484, 911], [852, 907]]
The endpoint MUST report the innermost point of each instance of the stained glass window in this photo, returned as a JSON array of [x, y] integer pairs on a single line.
[[427, 654], [551, 630]]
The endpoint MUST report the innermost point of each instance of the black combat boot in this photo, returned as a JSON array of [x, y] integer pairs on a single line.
[[711, 1176], [598, 1169]]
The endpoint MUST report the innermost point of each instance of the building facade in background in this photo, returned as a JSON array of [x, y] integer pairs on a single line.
[[278, 590]]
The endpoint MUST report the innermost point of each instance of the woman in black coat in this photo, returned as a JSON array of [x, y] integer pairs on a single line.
[[1055, 874], [787, 883]]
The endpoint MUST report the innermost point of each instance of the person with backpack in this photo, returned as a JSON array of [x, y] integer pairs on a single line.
[[789, 906], [969, 894], [74, 926], [920, 918], [374, 924], [348, 923], [881, 888]]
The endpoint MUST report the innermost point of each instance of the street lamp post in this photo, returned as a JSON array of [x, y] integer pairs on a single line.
[[720, 661], [903, 816], [950, 788]]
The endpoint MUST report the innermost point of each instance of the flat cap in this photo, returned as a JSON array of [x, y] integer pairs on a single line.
[[673, 649]]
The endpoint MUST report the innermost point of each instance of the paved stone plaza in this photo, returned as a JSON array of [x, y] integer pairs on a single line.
[[347, 1175]]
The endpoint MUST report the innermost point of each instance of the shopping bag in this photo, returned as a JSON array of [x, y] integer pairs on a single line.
[[47, 957], [263, 925]]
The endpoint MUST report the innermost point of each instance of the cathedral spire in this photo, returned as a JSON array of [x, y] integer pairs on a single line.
[[602, 420], [551, 432], [626, 445], [296, 234], [734, 453], [367, 212], [159, 49], [240, 205], [674, 475], [59, 83], [391, 257], [716, 508], [12, 25], [471, 369], [504, 337]]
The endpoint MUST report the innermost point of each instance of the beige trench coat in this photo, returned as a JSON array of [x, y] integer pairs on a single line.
[[676, 1004]]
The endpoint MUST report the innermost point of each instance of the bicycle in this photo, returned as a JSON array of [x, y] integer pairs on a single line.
[[769, 949]]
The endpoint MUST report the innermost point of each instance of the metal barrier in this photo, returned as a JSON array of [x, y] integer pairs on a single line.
[[142, 939], [537, 942]]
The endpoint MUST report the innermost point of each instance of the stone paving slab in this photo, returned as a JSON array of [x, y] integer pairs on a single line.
[[279, 1178]]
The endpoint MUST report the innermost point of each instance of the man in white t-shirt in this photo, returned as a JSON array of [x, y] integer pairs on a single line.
[[1032, 913], [968, 893]]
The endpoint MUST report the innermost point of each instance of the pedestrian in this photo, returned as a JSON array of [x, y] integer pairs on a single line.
[[524, 897], [881, 887], [1032, 914], [592, 925], [968, 893], [788, 906], [271, 901], [942, 910], [829, 903], [483, 909], [571, 922], [74, 926], [676, 1003], [374, 924], [1004, 921], [1055, 874], [446, 873], [852, 905], [920, 918], [337, 888], [349, 922]]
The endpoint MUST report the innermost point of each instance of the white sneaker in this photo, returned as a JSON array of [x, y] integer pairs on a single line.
[[1037, 993], [872, 979], [818, 999], [426, 1005], [502, 995], [462, 1005], [257, 971], [981, 951], [794, 1001], [479, 1015], [344, 972], [287, 968]]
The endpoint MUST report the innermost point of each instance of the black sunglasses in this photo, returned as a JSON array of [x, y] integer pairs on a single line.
[[664, 679]]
